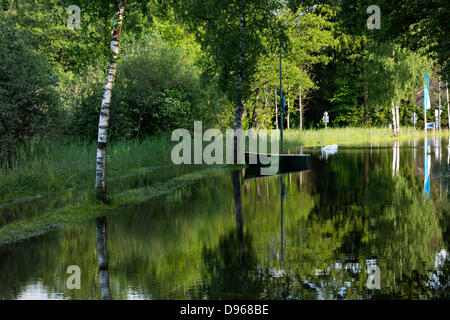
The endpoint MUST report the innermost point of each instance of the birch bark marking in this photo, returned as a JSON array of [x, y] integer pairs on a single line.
[[100, 180]]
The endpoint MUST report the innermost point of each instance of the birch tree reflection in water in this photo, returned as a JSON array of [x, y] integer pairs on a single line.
[[102, 249]]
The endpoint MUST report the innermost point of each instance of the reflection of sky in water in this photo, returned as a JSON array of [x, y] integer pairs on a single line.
[[38, 291], [439, 262]]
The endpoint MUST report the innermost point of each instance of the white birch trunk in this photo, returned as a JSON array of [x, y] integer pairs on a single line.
[[393, 118], [300, 107], [440, 106], [276, 109], [397, 112], [289, 111], [448, 110], [240, 77], [100, 181]]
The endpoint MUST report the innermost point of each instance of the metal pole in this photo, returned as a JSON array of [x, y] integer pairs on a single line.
[[281, 101], [425, 91]]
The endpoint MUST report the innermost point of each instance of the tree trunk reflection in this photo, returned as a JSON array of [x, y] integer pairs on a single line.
[[103, 258]]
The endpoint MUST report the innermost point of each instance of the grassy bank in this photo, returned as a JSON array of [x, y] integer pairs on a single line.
[[351, 136], [46, 168]]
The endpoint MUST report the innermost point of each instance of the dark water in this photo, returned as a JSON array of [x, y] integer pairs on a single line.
[[361, 224]]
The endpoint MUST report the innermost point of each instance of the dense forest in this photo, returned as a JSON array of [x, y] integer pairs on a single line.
[[214, 61]]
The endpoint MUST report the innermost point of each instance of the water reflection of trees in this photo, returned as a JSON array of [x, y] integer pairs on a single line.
[[344, 211], [365, 212], [102, 256]]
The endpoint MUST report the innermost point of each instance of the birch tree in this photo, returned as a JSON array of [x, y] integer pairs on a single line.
[[393, 73], [100, 182], [231, 33]]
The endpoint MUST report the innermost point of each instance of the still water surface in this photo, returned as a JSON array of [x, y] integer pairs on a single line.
[[364, 223]]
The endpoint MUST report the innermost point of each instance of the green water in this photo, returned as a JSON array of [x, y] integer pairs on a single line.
[[227, 237]]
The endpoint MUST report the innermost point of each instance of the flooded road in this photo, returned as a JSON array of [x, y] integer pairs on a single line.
[[364, 223]]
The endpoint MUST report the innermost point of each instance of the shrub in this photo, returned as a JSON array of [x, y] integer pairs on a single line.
[[27, 95], [157, 89]]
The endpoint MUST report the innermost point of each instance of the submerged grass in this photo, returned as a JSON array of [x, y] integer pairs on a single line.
[[47, 221]]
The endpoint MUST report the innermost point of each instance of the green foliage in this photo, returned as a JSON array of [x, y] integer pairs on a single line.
[[304, 41], [394, 72], [27, 92], [344, 76], [216, 25], [345, 102], [158, 89], [420, 26], [44, 23]]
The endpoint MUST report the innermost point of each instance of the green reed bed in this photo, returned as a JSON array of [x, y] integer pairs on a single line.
[[351, 136], [52, 167]]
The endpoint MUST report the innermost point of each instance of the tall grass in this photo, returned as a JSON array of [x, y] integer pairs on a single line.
[[349, 136], [49, 167]]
